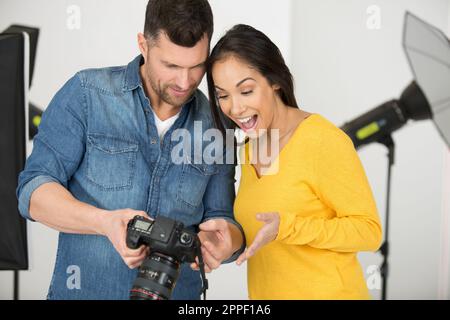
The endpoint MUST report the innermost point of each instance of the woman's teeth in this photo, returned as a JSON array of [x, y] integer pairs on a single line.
[[248, 123], [244, 120]]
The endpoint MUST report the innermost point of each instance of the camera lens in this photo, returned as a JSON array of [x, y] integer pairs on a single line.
[[156, 278]]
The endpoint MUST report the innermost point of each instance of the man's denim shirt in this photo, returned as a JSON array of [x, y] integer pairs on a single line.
[[98, 139]]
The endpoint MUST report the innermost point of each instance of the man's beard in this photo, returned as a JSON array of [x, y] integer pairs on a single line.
[[163, 93], [174, 101]]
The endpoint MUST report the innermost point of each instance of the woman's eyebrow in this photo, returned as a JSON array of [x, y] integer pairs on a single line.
[[238, 84], [242, 81]]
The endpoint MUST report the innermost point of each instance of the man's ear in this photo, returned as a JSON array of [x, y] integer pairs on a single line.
[[143, 45]]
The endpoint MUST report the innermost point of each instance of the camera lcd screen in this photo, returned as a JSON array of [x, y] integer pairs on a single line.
[[142, 225]]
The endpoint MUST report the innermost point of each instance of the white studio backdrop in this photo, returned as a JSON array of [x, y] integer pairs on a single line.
[[345, 61], [348, 59]]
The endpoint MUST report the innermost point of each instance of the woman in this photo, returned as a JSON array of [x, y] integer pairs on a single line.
[[307, 211]]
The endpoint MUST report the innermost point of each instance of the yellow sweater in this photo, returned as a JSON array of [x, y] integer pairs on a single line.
[[327, 214]]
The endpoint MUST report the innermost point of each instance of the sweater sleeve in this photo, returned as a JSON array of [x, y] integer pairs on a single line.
[[339, 181]]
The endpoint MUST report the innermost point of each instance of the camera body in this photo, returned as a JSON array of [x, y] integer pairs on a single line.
[[170, 245], [163, 235]]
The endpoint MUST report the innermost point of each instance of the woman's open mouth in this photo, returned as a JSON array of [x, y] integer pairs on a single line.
[[249, 123]]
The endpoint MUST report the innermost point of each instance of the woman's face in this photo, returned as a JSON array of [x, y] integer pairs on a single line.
[[245, 96]]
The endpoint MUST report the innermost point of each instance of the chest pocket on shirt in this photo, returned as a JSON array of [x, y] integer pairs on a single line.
[[111, 161], [193, 182]]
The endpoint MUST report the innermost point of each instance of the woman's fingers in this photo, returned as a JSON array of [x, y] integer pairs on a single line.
[[256, 245], [263, 237], [242, 258]]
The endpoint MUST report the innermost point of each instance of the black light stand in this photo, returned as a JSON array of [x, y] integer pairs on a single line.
[[16, 285], [384, 250]]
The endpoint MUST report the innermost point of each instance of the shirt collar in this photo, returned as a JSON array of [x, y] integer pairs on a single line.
[[132, 78]]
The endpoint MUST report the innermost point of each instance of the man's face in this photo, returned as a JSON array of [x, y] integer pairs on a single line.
[[174, 72]]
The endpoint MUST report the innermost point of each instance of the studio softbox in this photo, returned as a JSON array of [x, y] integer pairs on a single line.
[[14, 82]]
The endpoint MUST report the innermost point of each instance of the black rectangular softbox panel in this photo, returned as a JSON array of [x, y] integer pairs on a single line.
[[14, 81]]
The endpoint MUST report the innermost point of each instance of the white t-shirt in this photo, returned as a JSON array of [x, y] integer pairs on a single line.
[[164, 125]]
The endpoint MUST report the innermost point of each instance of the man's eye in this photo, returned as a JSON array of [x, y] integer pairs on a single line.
[[221, 97], [246, 93]]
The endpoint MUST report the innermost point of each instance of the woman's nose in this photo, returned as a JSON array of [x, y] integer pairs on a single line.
[[237, 109]]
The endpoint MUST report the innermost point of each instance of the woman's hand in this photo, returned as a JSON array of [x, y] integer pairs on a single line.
[[265, 235]]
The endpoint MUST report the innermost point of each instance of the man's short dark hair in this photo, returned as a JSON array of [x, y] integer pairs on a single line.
[[184, 21]]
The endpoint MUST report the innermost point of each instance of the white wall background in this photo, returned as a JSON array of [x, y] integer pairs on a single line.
[[342, 69]]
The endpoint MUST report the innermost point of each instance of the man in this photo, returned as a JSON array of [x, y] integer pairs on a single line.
[[103, 156]]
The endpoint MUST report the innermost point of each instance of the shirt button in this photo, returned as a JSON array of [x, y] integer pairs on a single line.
[[153, 141]]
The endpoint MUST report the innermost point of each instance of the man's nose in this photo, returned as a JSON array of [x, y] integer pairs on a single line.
[[183, 80]]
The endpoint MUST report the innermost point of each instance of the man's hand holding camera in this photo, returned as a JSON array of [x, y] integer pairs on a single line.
[[115, 229]]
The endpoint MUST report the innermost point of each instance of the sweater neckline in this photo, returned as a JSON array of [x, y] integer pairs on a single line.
[[274, 167]]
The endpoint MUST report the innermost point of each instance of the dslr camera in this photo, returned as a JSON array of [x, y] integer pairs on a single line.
[[170, 245]]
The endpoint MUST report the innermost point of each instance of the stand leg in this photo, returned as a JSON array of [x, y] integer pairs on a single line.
[[16, 285], [389, 143]]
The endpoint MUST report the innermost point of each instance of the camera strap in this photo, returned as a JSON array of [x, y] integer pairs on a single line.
[[201, 265]]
